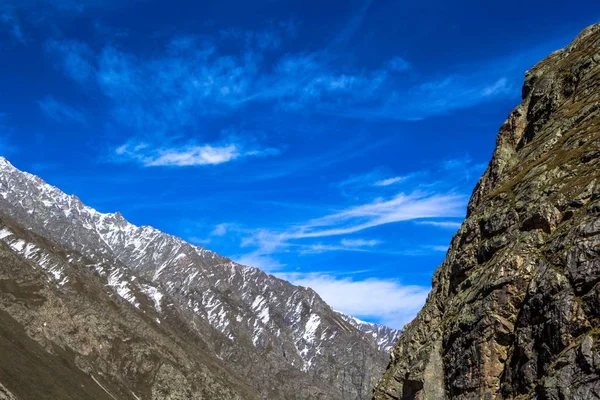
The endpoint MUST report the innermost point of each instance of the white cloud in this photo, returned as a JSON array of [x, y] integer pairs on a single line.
[[197, 77], [185, 156], [386, 301], [440, 248], [442, 224], [344, 245], [260, 261], [500, 87], [220, 230], [374, 179], [194, 155], [401, 207], [390, 181], [359, 242]]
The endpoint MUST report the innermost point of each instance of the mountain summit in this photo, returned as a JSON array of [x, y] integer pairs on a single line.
[[514, 312], [134, 313]]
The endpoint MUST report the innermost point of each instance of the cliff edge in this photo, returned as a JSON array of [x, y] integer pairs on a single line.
[[514, 312]]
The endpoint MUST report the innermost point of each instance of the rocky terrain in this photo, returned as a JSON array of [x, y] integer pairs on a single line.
[[133, 313], [515, 308]]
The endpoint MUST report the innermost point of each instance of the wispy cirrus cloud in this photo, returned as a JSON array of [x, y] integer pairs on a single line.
[[359, 245], [390, 181], [465, 166], [60, 111], [436, 97], [455, 171], [259, 260], [353, 24], [420, 197], [442, 224], [74, 58], [10, 22], [399, 208], [194, 77], [440, 248], [220, 229], [185, 156], [375, 178], [359, 242], [388, 302]]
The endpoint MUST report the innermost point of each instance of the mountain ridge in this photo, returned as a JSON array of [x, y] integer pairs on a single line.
[[513, 312], [258, 324]]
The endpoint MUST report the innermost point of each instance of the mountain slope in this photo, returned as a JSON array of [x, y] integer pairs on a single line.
[[64, 334], [514, 311], [284, 339]]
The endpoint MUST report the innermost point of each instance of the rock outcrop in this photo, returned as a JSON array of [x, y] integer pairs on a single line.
[[514, 312], [65, 335], [147, 314]]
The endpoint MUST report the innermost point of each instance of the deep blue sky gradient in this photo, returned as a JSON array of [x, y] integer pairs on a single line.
[[331, 143]]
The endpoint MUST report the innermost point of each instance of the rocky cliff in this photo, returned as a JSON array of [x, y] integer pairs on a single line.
[[142, 313], [514, 312]]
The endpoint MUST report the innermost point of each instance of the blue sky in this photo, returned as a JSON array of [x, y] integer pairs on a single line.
[[334, 144]]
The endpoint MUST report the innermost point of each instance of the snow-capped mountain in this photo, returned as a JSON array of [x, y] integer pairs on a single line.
[[281, 337], [386, 337]]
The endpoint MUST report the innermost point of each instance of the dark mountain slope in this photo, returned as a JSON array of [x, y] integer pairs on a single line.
[[515, 308]]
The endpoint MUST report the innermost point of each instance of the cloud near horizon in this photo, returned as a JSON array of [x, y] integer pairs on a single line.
[[388, 302]]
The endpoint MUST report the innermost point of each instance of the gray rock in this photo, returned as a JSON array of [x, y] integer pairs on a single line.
[[514, 311], [278, 340]]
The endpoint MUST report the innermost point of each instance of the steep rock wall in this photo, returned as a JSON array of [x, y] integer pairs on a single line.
[[514, 311]]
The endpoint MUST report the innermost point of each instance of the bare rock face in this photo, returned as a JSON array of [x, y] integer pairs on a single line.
[[515, 308], [64, 335], [131, 312]]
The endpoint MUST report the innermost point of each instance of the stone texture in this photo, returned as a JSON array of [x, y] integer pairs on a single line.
[[269, 337], [79, 341], [514, 312]]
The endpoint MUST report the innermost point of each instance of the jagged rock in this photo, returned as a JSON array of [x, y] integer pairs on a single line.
[[185, 322], [514, 312]]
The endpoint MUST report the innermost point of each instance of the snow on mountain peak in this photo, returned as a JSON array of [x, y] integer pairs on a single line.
[[239, 302]]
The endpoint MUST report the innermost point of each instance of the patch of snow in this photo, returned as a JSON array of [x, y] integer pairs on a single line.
[[311, 328], [154, 294], [121, 286], [5, 233]]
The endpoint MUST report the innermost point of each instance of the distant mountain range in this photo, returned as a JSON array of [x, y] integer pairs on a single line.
[[94, 307]]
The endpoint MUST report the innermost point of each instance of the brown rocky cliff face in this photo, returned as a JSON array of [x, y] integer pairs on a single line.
[[514, 312]]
